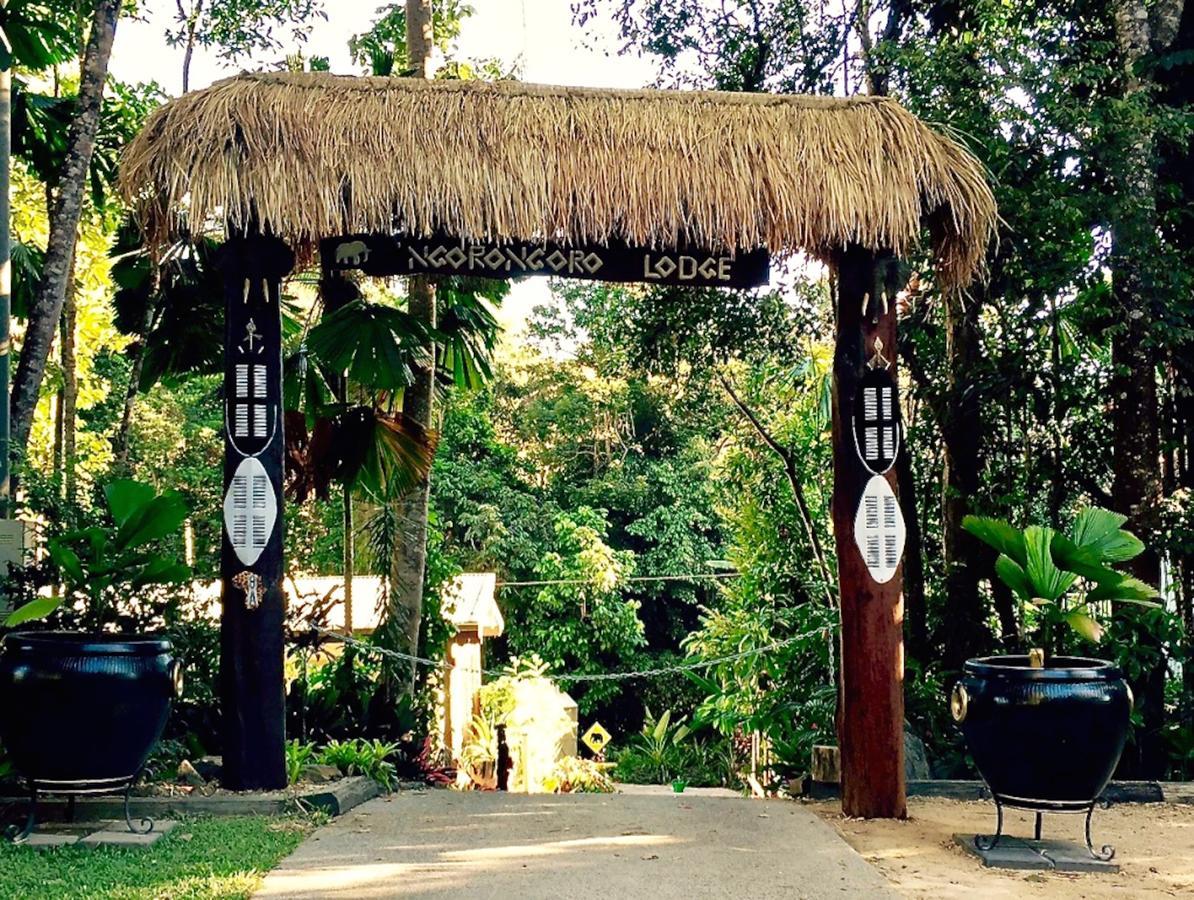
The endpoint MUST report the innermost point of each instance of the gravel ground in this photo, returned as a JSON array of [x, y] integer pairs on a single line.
[[1154, 846]]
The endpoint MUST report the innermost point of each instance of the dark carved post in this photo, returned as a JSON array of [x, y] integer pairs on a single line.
[[871, 709], [251, 628]]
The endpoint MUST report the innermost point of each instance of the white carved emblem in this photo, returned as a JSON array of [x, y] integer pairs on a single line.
[[879, 529], [250, 510]]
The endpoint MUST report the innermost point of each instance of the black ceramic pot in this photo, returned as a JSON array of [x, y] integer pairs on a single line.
[[1049, 736], [83, 708]]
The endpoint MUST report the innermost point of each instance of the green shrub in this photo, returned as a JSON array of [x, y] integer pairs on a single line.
[[6, 768], [164, 760], [100, 565], [654, 755], [298, 755], [706, 760], [362, 757]]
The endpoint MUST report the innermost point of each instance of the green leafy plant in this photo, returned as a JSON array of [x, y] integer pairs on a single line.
[[1058, 578], [6, 768], [657, 746], [479, 752], [298, 755], [97, 565], [165, 758], [362, 757]]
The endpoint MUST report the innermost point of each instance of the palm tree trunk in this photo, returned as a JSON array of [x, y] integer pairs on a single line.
[[409, 561], [64, 222], [419, 38]]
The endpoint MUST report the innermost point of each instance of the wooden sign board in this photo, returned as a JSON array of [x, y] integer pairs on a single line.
[[387, 255]]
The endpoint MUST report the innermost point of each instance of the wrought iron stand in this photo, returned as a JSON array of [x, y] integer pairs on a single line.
[[1040, 807], [72, 790]]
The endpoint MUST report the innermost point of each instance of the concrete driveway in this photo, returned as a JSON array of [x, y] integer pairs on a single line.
[[642, 843]]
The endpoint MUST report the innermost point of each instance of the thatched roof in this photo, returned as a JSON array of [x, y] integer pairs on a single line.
[[318, 155]]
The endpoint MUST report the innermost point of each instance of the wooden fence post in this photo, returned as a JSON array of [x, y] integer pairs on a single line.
[[252, 648], [871, 700]]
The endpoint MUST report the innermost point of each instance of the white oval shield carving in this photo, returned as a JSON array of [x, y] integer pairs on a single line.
[[879, 529], [250, 510]]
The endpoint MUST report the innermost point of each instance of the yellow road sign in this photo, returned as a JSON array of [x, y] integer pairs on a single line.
[[596, 738]]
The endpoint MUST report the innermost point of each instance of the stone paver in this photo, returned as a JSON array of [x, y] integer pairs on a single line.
[[1044, 855], [118, 835], [654, 845], [46, 841], [95, 834]]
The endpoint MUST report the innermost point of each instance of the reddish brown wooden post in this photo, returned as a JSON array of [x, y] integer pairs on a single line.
[[871, 709]]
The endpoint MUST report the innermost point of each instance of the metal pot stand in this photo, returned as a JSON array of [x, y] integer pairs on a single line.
[[72, 790], [1070, 807]]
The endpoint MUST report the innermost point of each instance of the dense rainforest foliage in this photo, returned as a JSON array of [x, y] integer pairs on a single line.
[[649, 469]]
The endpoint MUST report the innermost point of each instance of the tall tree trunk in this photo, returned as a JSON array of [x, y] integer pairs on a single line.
[[120, 444], [64, 223], [70, 386], [56, 453], [1136, 487], [409, 562], [186, 62], [153, 309], [963, 632], [5, 282], [1183, 560], [1178, 171], [192, 21], [916, 616], [350, 563], [419, 38]]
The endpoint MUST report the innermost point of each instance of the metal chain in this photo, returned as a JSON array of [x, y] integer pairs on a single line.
[[602, 676]]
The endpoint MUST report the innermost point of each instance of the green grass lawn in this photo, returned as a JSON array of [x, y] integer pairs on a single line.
[[199, 858]]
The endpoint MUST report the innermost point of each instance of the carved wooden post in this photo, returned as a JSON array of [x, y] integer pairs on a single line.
[[871, 709], [252, 647]]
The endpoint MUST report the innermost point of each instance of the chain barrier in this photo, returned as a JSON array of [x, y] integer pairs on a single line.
[[825, 632]]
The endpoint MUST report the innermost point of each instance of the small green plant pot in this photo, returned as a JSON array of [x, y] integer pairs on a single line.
[[678, 785]]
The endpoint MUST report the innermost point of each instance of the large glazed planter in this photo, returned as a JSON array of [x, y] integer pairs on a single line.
[[1043, 738], [83, 710]]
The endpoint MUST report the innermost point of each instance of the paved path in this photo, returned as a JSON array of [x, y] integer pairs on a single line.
[[607, 847]]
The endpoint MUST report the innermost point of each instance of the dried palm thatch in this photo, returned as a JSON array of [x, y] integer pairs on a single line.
[[316, 155]]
